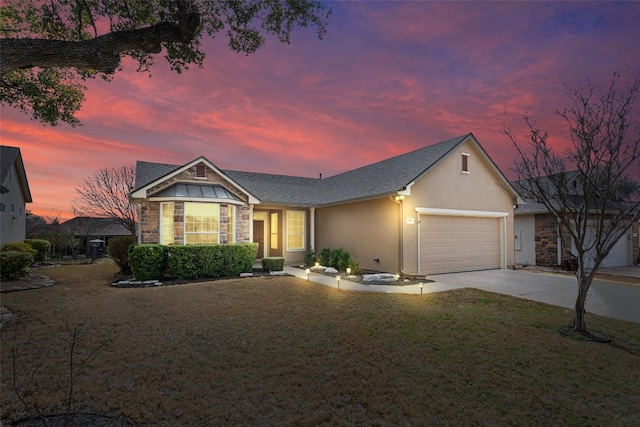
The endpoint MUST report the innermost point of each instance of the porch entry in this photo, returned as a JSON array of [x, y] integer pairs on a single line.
[[267, 232]]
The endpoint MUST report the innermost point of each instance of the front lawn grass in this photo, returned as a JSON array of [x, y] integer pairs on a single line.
[[284, 351]]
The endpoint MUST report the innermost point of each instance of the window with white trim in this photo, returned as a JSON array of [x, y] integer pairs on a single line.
[[166, 223], [296, 230], [465, 162], [201, 223]]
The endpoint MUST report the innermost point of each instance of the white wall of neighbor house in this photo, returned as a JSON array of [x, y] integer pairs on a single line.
[[12, 210], [525, 239]]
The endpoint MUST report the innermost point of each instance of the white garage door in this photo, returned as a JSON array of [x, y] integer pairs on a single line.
[[619, 255], [458, 243]]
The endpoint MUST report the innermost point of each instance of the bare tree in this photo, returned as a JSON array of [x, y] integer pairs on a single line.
[[78, 230], [591, 187], [106, 195]]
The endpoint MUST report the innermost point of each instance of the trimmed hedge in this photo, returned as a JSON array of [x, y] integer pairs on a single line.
[[18, 247], [119, 251], [148, 262], [42, 248], [14, 264], [273, 263], [211, 261]]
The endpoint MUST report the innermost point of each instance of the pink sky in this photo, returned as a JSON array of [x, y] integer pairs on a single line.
[[389, 77]]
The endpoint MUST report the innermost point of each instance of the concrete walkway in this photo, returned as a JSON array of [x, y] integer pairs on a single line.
[[605, 298]]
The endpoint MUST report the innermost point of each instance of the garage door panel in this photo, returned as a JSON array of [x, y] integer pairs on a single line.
[[619, 256], [449, 244]]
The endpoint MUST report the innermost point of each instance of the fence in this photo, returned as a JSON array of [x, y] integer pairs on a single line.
[[66, 260]]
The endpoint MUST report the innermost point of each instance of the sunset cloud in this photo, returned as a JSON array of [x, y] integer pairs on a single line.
[[389, 77]]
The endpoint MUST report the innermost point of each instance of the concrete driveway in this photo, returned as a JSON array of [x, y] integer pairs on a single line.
[[606, 298]]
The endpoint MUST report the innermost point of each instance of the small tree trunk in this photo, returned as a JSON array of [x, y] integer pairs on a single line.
[[584, 282]]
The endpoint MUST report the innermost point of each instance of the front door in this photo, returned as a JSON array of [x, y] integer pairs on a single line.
[[258, 236]]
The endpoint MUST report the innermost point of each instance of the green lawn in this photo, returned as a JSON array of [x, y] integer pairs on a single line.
[[284, 351]]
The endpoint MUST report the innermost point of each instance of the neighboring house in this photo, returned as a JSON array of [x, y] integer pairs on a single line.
[[539, 240], [84, 229], [441, 208], [14, 194]]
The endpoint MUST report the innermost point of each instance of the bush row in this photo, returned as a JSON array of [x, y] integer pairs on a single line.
[[42, 248], [340, 259], [14, 264], [149, 262], [119, 251], [16, 257], [273, 263]]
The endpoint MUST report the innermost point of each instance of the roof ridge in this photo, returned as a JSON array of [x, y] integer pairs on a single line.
[[408, 153]]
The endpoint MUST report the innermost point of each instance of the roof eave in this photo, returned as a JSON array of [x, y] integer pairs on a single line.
[[141, 193]]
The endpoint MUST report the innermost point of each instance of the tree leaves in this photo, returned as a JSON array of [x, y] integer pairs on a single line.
[[138, 29]]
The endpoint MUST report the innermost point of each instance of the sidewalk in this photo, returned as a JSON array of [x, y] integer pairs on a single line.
[[349, 285]]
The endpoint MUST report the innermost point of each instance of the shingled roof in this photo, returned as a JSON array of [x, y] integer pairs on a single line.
[[380, 179], [8, 157]]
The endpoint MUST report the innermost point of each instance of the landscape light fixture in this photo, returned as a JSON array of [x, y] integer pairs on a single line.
[[308, 271], [421, 286], [348, 270], [317, 264], [338, 280]]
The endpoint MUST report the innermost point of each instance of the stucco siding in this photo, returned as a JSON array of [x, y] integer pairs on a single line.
[[446, 187], [368, 230], [13, 219]]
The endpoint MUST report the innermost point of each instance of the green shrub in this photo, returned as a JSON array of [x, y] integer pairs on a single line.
[[42, 248], [194, 262], [18, 247], [310, 257], [325, 257], [273, 263], [119, 251], [354, 266], [14, 264], [148, 262], [340, 259], [188, 262]]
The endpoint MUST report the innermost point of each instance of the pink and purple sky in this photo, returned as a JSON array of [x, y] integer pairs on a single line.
[[389, 77]]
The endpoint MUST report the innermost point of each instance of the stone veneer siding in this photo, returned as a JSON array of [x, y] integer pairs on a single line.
[[547, 242], [150, 211]]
